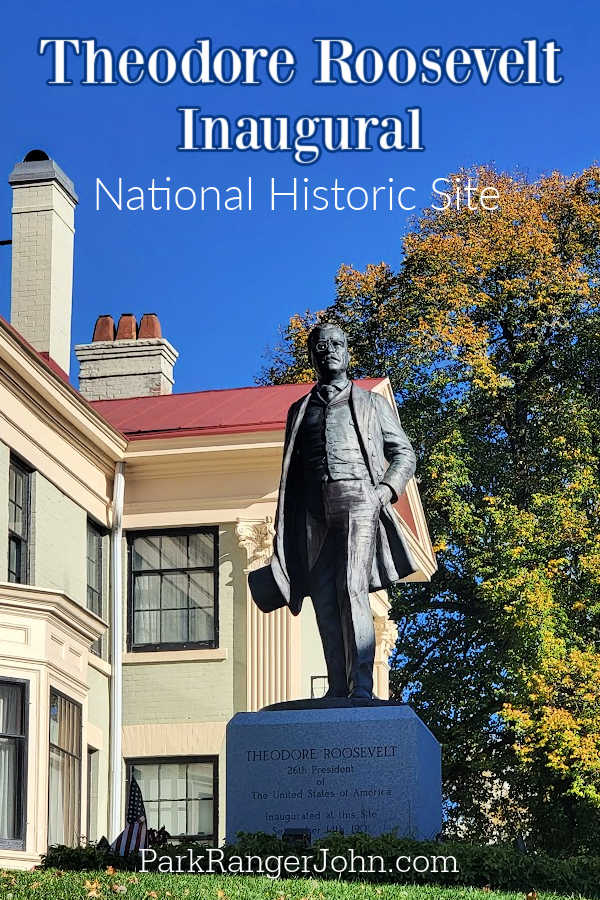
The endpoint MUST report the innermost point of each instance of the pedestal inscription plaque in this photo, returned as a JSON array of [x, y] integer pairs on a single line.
[[371, 769]]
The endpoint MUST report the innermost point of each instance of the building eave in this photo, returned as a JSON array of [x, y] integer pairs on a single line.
[[60, 400]]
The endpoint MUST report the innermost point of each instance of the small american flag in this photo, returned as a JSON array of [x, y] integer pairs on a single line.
[[133, 836]]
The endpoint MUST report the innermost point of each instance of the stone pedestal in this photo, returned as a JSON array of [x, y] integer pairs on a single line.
[[371, 769]]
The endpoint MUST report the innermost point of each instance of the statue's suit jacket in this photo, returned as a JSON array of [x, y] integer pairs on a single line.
[[382, 441]]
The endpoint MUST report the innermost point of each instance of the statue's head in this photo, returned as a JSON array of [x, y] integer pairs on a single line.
[[328, 349]]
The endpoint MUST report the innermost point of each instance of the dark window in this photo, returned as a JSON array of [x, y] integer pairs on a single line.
[[93, 759], [13, 759], [180, 794], [18, 522], [173, 589], [94, 578], [64, 783]]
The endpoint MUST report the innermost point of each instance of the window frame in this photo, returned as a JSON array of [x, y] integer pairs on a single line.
[[24, 541], [97, 647], [313, 680], [59, 693], [99, 535], [134, 647], [20, 843], [130, 763]]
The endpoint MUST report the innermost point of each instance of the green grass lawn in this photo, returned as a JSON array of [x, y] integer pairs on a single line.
[[54, 885]]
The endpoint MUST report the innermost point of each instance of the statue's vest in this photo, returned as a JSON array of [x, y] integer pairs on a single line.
[[329, 447]]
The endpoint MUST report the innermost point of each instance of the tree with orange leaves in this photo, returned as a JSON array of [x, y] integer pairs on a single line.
[[489, 332]]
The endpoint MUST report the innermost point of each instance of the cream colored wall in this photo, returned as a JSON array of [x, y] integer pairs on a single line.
[[58, 543], [58, 540], [44, 639], [168, 693], [98, 737], [58, 561], [180, 706], [72, 453]]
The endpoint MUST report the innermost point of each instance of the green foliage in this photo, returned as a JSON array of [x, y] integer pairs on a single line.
[[85, 858], [489, 333]]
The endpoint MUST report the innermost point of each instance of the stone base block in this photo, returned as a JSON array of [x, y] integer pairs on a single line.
[[369, 769]]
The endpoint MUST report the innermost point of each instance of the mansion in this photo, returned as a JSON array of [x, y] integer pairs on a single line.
[[131, 516]]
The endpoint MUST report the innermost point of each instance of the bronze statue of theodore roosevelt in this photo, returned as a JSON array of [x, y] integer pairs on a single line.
[[346, 459]]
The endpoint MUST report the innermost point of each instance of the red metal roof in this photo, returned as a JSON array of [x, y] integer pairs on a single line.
[[228, 411]]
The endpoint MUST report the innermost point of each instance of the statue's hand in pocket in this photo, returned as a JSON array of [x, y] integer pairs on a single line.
[[384, 493]]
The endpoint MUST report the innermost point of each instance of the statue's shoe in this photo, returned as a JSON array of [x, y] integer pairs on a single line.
[[332, 692], [361, 695]]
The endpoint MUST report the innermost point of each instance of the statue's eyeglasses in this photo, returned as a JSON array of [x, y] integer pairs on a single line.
[[329, 342]]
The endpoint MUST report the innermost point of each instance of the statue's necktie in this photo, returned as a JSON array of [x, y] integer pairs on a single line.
[[328, 392]]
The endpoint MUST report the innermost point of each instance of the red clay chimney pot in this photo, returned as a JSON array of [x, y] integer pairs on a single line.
[[104, 329], [149, 326], [127, 328]]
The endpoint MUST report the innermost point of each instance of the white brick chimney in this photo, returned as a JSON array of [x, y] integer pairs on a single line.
[[127, 361], [44, 201]]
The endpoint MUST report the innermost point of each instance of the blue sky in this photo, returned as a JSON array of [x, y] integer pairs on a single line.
[[223, 283]]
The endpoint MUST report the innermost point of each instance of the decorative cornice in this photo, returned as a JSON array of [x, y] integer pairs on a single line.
[[36, 602], [99, 664]]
